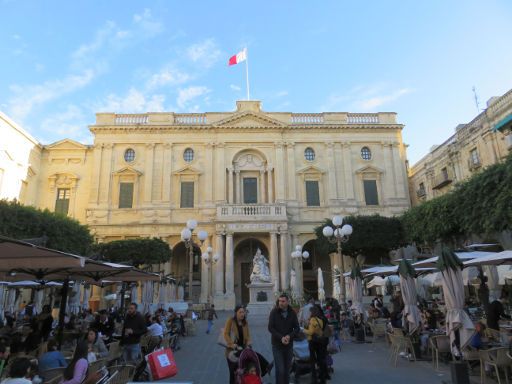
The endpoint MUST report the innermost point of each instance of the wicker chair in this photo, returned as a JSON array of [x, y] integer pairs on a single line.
[[439, 344], [124, 373], [497, 358], [56, 380], [378, 330], [114, 351], [97, 365]]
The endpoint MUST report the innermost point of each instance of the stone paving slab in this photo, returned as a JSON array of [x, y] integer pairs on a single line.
[[200, 360]]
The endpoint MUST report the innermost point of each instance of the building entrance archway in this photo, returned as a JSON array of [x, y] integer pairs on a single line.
[[244, 253]]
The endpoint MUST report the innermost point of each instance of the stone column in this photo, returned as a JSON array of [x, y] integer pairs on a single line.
[[279, 172], [230, 186], [284, 260], [400, 173], [105, 195], [148, 172], [219, 175], [274, 261], [96, 174], [347, 165], [270, 185], [208, 175], [167, 173], [237, 187], [219, 273], [205, 275], [333, 189], [229, 301], [292, 185], [389, 183], [263, 198]]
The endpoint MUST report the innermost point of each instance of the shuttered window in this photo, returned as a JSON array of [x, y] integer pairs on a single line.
[[125, 195], [187, 194], [250, 190], [370, 192], [312, 194], [62, 202]]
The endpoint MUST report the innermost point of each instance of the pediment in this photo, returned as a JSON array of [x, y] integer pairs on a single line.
[[66, 144], [369, 169], [62, 179], [188, 170], [249, 120], [310, 169], [127, 171]]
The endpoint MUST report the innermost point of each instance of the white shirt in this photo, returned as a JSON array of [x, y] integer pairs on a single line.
[[156, 329], [18, 380]]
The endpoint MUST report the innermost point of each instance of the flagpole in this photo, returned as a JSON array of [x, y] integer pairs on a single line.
[[247, 72]]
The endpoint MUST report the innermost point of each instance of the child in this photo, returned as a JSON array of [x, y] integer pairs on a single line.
[[251, 375]]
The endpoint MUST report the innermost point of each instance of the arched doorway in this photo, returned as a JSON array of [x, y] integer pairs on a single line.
[[244, 253], [310, 271], [180, 268]]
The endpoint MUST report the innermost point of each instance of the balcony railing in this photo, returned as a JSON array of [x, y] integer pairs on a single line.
[[131, 119], [474, 164], [421, 193], [307, 118], [363, 118], [190, 118], [251, 210], [442, 181]]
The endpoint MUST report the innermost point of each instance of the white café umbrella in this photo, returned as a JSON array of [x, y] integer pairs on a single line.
[[147, 296], [86, 296], [336, 287], [134, 293], [74, 299], [453, 288], [356, 290], [181, 292], [169, 288], [10, 305], [38, 300], [293, 284], [411, 313], [464, 256], [493, 281], [3, 290], [321, 292], [162, 295]]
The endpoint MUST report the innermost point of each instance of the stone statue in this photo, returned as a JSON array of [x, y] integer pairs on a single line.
[[260, 271]]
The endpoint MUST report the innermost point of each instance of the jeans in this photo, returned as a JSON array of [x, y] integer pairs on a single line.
[[282, 363], [131, 353], [210, 325]]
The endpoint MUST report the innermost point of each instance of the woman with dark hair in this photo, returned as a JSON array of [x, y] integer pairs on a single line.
[[76, 371], [238, 337], [317, 344], [97, 348]]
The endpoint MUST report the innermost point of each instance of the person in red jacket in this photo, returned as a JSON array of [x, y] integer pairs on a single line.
[[251, 375]]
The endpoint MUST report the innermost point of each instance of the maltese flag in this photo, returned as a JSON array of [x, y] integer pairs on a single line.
[[238, 58]]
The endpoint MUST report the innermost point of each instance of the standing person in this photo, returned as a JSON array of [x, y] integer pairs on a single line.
[[211, 314], [495, 312], [317, 345], [133, 328], [283, 325]]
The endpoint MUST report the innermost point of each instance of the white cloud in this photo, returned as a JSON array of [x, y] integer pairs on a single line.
[[134, 101], [167, 76], [377, 101], [30, 96], [147, 24], [235, 87], [190, 93], [69, 123], [281, 94], [205, 53]]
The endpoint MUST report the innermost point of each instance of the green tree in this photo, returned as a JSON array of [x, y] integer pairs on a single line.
[[373, 236], [135, 251], [24, 222]]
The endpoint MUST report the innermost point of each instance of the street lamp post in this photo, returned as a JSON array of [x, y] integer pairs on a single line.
[[186, 236], [210, 260], [338, 235], [300, 256]]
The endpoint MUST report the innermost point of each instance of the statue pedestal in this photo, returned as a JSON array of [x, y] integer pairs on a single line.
[[261, 298]]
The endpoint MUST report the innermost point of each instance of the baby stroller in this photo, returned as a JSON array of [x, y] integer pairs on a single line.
[[247, 356], [301, 364]]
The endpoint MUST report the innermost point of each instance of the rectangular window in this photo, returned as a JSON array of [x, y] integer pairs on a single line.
[[474, 157], [125, 195], [370, 192], [187, 194], [250, 190], [62, 202], [312, 194], [444, 172]]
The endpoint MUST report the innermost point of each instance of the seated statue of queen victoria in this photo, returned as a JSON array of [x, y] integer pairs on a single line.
[[260, 271]]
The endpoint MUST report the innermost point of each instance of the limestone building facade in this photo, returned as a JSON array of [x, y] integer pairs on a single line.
[[252, 179], [484, 141]]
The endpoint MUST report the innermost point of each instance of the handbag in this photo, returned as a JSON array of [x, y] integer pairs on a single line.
[[162, 364], [322, 340], [221, 340]]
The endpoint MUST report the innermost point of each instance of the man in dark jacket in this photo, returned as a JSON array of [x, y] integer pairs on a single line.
[[283, 325], [133, 328], [104, 324], [494, 313]]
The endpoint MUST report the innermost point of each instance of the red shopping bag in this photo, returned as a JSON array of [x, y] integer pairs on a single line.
[[162, 364]]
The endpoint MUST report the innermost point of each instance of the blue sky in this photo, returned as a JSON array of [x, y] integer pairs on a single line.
[[63, 61]]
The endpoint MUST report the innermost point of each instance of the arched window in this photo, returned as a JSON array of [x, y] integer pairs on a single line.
[[366, 154], [188, 155], [309, 154], [129, 155]]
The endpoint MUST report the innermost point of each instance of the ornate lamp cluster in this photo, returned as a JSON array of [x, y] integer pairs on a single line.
[[186, 237]]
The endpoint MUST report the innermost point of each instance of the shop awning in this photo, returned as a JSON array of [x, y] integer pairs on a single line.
[[503, 124]]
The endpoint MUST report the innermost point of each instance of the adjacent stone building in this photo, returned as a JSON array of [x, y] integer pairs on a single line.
[[252, 179], [484, 141]]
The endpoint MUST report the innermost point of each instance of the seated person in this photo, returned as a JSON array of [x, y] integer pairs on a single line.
[[97, 349], [77, 370], [251, 375], [104, 324], [477, 341], [20, 372], [156, 329], [52, 358]]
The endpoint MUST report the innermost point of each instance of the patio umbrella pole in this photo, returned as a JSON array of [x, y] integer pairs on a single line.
[[62, 311], [123, 289]]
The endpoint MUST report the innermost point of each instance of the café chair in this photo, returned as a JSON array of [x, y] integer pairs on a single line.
[[497, 358], [439, 344]]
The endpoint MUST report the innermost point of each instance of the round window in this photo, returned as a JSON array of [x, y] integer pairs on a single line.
[[129, 155], [188, 155], [309, 154], [366, 154]]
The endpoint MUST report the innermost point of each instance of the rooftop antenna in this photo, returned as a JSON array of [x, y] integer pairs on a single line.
[[476, 99]]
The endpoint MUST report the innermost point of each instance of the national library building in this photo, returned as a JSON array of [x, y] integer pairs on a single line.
[[252, 179]]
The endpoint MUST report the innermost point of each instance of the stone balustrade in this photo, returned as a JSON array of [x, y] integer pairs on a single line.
[[190, 118], [227, 211], [131, 119], [363, 118], [307, 118], [501, 103]]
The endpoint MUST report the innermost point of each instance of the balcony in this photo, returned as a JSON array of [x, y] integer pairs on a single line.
[[442, 180], [251, 212], [421, 193], [474, 164]]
